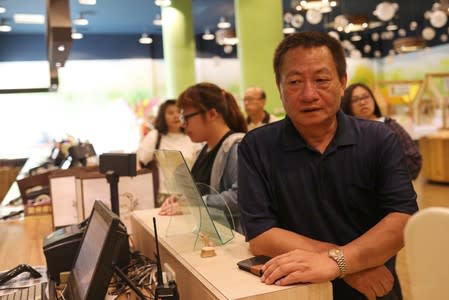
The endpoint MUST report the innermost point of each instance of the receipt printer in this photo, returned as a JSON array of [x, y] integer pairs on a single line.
[[61, 247]]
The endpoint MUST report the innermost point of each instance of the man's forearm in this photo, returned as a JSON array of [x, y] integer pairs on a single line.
[[377, 245], [276, 241]]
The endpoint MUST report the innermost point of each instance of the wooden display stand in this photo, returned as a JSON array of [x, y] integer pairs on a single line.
[[435, 152], [216, 277], [398, 92]]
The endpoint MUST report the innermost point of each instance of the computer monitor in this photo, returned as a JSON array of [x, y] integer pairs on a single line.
[[97, 256]]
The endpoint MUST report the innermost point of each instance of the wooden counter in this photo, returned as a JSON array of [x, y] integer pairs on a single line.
[[22, 241], [435, 154], [215, 277]]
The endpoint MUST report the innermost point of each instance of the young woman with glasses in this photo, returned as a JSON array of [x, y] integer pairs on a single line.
[[358, 100], [212, 115]]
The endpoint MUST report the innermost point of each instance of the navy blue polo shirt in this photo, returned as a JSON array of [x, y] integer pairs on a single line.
[[332, 197]]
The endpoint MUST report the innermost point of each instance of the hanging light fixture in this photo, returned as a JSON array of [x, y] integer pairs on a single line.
[[81, 20], [207, 35], [76, 35], [4, 27], [162, 2], [157, 20], [145, 39], [223, 24]]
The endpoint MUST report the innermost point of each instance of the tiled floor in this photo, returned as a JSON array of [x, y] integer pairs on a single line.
[[429, 194]]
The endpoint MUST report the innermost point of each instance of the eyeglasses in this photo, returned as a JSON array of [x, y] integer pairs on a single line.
[[185, 118], [356, 100]]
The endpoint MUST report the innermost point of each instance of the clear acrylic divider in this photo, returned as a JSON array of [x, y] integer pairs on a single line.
[[191, 214]]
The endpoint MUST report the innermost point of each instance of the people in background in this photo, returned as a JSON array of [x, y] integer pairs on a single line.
[[167, 134], [254, 101], [358, 100], [211, 115], [324, 194]]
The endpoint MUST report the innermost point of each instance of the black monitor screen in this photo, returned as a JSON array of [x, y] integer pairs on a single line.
[[97, 255]]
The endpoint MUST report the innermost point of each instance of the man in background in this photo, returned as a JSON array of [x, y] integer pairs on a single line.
[[254, 101]]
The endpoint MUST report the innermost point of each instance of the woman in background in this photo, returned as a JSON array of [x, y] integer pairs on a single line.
[[358, 100], [212, 115], [167, 135]]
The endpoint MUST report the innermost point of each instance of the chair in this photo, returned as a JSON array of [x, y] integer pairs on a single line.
[[427, 253]]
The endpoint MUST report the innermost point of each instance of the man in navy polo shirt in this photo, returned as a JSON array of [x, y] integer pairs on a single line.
[[326, 195]]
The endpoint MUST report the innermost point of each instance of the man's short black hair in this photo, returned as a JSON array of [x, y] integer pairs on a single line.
[[310, 39]]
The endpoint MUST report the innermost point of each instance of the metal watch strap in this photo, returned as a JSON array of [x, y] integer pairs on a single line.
[[339, 258]]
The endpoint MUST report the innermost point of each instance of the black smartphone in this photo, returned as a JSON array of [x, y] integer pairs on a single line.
[[253, 264]]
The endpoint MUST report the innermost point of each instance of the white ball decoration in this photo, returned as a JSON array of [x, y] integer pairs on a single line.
[[297, 20], [438, 19], [385, 11], [340, 22], [334, 34], [314, 16], [367, 48], [428, 33], [355, 54]]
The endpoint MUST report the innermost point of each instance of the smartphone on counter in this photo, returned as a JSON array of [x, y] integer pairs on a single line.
[[253, 264]]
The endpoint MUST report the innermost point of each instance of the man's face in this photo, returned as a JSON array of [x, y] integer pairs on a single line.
[[309, 87], [253, 101]]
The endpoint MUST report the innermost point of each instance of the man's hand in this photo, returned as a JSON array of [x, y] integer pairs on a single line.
[[300, 266], [170, 207], [374, 282]]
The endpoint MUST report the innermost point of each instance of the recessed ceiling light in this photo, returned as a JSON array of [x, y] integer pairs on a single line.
[[145, 39], [2, 10], [29, 19]]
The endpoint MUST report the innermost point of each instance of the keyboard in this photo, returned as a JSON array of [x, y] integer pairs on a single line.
[[34, 292]]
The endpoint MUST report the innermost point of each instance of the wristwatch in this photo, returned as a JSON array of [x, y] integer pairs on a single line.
[[337, 255]]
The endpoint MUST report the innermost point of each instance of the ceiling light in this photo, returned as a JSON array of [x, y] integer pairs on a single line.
[[145, 39], [77, 35], [162, 2], [81, 20], [223, 24], [2, 10], [58, 65], [29, 19], [157, 20], [4, 27], [61, 48], [208, 36], [88, 2]]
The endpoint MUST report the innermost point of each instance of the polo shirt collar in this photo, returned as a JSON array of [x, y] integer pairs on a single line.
[[291, 139]]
